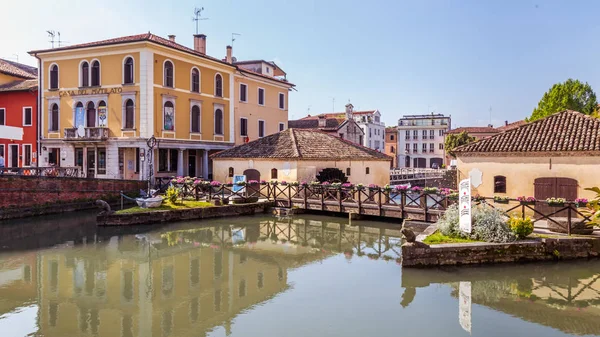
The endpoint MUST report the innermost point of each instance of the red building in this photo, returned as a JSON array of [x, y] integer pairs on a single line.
[[18, 108]]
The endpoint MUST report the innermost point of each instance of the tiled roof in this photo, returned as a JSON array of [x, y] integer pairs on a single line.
[[330, 123], [20, 85], [244, 70], [566, 131], [17, 69], [302, 145], [511, 126], [474, 129]]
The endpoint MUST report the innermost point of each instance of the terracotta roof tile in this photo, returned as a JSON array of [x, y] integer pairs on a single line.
[[511, 126], [17, 69], [474, 129], [302, 145], [20, 85], [566, 131], [330, 123]]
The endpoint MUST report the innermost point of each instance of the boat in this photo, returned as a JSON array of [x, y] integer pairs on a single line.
[[149, 202]]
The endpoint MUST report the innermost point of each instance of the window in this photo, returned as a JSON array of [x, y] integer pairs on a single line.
[[102, 114], [281, 127], [27, 155], [274, 173], [54, 117], [407, 135], [101, 160], [137, 160], [392, 150], [243, 93], [424, 147], [2, 116], [27, 116], [168, 74], [261, 96], [415, 134], [2, 153], [95, 73], [281, 101], [261, 129], [85, 74], [424, 134], [391, 137], [218, 122], [128, 71], [195, 119], [348, 171], [441, 133], [243, 127], [415, 147], [230, 172], [360, 139], [367, 171], [431, 147], [441, 146], [54, 76], [129, 114], [173, 160], [219, 85], [431, 134], [91, 115], [167, 160], [499, 184], [195, 87], [407, 147], [169, 116]]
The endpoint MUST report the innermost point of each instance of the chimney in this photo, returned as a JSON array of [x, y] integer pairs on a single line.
[[505, 123], [229, 52], [200, 43], [172, 38], [322, 121]]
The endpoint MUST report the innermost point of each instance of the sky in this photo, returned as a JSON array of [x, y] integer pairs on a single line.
[[478, 61]]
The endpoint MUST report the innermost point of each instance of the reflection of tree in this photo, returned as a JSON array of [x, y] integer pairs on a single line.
[[408, 296]]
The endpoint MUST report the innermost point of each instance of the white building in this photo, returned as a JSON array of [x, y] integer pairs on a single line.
[[374, 129], [421, 140]]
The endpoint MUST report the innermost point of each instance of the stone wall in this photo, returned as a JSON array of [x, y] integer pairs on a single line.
[[153, 217], [418, 254], [25, 196]]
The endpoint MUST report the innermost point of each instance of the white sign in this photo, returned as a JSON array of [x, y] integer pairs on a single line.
[[464, 205], [476, 177], [464, 305], [236, 179], [11, 132]]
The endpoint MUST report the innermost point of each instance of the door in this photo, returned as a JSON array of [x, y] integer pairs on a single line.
[[545, 188], [407, 161], [13, 153], [252, 174], [91, 163], [79, 157], [192, 163]]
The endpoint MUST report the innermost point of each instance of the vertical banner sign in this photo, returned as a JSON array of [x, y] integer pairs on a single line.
[[79, 117], [464, 205], [102, 117], [464, 305], [169, 122], [236, 187]]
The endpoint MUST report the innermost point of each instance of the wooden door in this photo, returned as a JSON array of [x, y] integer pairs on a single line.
[[545, 188]]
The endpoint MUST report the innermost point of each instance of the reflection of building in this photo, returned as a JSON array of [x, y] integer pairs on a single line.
[[18, 281], [421, 140]]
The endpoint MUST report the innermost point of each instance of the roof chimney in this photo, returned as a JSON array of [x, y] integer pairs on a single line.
[[322, 121], [200, 43], [172, 38], [505, 123], [229, 52]]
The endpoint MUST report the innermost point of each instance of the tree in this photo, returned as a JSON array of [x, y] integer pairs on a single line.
[[571, 95], [455, 140]]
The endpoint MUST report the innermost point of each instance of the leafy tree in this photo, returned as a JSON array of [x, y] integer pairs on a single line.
[[455, 140], [572, 95]]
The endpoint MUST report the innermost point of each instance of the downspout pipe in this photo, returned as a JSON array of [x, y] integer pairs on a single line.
[[39, 110]]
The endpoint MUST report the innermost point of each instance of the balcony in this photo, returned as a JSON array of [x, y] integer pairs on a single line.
[[88, 134]]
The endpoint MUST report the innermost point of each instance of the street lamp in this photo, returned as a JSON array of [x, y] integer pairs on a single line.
[[152, 143]]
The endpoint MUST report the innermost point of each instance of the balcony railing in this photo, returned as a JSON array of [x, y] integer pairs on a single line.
[[95, 133]]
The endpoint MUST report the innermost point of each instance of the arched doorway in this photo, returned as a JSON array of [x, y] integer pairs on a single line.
[[552, 187], [407, 161], [332, 175], [252, 174]]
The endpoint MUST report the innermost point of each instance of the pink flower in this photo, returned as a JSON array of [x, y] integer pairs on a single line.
[[215, 183]]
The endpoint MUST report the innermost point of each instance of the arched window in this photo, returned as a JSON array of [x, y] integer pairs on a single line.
[[95, 73], [128, 71], [230, 172], [129, 114], [219, 85], [195, 80], [54, 77], [499, 184], [168, 80], [169, 116], [274, 173], [91, 115], [85, 74], [218, 122], [54, 117], [348, 171], [367, 170], [195, 119]]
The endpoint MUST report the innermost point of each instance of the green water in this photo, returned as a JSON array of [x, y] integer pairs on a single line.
[[263, 276]]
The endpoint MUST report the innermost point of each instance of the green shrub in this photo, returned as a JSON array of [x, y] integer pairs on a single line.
[[521, 227], [488, 224], [172, 194]]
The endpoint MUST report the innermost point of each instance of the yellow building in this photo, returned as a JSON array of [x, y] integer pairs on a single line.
[[300, 155], [101, 101]]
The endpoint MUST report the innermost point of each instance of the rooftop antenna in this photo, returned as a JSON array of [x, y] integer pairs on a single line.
[[233, 35], [197, 18], [490, 115], [51, 34], [332, 104]]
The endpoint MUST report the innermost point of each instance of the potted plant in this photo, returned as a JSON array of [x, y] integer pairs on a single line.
[[526, 200], [336, 185], [283, 183], [580, 202], [240, 183], [274, 182], [556, 202], [263, 182], [401, 188], [478, 198], [373, 187], [430, 190], [452, 196], [294, 183], [387, 188], [315, 183], [347, 185], [416, 189], [359, 187], [215, 183], [501, 199], [253, 182]]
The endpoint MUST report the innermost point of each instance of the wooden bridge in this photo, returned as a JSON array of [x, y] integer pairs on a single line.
[[413, 176]]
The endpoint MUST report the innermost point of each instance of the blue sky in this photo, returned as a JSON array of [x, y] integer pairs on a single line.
[[402, 57]]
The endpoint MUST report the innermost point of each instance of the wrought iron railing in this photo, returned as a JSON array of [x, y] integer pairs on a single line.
[[91, 133], [72, 172]]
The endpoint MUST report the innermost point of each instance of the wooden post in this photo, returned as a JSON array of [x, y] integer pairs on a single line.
[[359, 202], [402, 203], [522, 211], [322, 198], [339, 194], [424, 198], [379, 202], [196, 192], [305, 197], [290, 196], [569, 220]]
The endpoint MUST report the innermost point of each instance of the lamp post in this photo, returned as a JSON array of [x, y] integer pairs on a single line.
[[152, 143]]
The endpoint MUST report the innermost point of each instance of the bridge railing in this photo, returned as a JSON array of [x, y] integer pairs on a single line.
[[72, 172]]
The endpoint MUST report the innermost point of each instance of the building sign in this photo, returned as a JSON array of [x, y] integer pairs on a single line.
[[236, 179], [102, 116], [464, 305], [83, 92], [79, 117], [464, 205], [169, 120]]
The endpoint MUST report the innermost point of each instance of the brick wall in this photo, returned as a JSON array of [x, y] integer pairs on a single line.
[[26, 193]]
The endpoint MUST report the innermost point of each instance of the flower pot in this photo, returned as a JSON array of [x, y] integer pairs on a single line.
[[552, 204], [500, 201], [527, 202]]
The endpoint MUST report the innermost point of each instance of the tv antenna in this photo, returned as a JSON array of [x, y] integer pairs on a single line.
[[233, 35], [52, 34], [197, 18]]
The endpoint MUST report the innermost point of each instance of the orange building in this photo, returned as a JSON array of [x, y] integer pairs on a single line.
[[391, 144]]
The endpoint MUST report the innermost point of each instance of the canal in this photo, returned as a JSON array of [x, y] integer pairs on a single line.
[[267, 276]]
